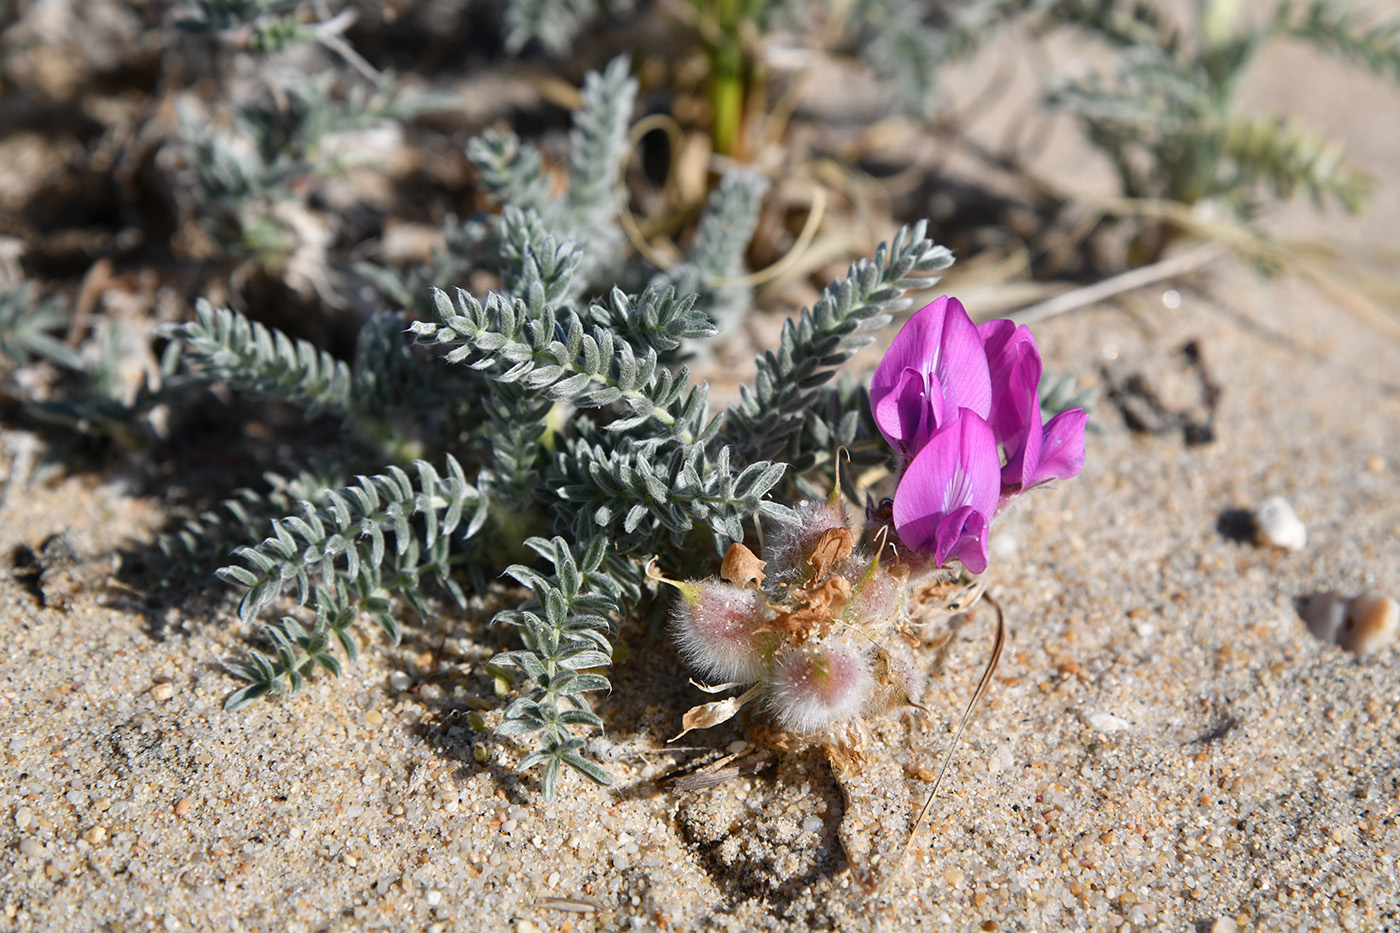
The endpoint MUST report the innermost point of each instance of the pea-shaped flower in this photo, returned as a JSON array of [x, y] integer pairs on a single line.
[[935, 368], [947, 496]]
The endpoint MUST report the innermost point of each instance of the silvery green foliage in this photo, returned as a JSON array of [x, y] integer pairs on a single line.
[[202, 543], [567, 427], [554, 24], [228, 347], [341, 547], [770, 416], [566, 627], [512, 171], [29, 330], [262, 26], [713, 268], [238, 176], [637, 466]]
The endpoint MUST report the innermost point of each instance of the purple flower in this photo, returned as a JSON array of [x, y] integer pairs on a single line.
[[948, 494], [935, 367], [1035, 453], [947, 396]]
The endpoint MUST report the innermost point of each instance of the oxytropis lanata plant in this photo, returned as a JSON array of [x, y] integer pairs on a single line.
[[814, 631]]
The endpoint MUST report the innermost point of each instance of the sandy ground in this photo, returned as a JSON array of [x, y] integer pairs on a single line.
[[1249, 772], [1165, 745]]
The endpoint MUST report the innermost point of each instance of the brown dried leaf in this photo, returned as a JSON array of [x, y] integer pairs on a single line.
[[742, 567]]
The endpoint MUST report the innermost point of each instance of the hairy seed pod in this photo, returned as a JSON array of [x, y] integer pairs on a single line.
[[819, 684], [716, 626]]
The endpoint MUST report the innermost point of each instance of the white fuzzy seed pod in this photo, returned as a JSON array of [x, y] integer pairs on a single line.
[[819, 684], [715, 626]]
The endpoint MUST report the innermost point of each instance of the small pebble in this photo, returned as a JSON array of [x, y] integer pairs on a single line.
[[1325, 613], [525, 926], [1104, 721], [23, 816], [95, 836], [434, 898], [812, 824], [400, 681], [183, 806], [1372, 622], [31, 848], [1277, 525], [162, 692], [1224, 925], [374, 719]]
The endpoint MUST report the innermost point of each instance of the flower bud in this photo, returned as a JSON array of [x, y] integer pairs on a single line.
[[715, 627], [818, 684]]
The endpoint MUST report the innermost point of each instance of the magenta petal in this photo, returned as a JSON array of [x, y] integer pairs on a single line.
[[962, 535], [1014, 361], [961, 364], [1061, 453], [1023, 447], [912, 348], [957, 471], [910, 411]]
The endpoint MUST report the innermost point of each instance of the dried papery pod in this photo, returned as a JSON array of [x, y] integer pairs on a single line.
[[832, 547], [818, 685], [720, 630], [742, 567], [789, 548]]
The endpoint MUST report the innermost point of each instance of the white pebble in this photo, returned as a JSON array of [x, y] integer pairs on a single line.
[[1224, 925], [1277, 525], [1325, 613], [23, 817], [400, 681], [434, 898], [812, 824], [1104, 721], [1372, 622]]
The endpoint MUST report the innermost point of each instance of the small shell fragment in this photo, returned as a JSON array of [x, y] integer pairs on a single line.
[[1104, 721], [1363, 625], [1325, 613], [1372, 623], [1277, 525]]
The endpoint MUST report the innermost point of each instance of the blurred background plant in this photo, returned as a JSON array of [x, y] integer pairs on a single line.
[[1167, 110]]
